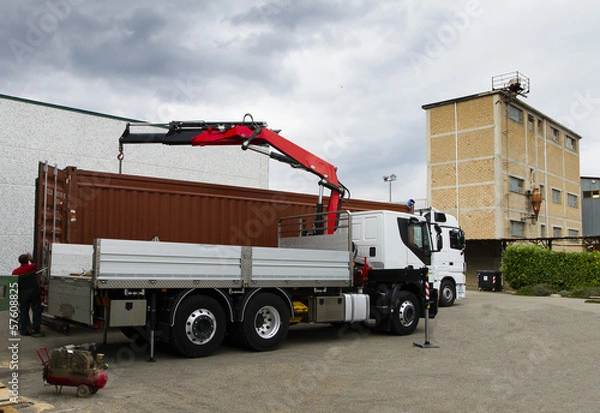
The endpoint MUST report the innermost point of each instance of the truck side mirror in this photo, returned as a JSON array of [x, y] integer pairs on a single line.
[[438, 237]]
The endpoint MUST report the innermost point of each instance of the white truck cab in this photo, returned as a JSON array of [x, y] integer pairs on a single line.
[[389, 239], [448, 256]]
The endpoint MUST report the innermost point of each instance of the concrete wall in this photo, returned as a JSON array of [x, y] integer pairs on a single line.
[[31, 132]]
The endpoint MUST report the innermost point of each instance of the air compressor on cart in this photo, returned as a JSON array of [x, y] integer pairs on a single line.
[[74, 365]]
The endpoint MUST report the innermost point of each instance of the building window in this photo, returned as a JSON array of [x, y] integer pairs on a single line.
[[591, 194], [572, 200], [530, 122], [543, 231], [543, 192], [573, 233], [571, 143], [515, 113], [515, 184], [540, 126], [556, 232], [556, 196], [554, 134], [517, 229]]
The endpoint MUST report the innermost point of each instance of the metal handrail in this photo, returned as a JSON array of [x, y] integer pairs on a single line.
[[299, 226]]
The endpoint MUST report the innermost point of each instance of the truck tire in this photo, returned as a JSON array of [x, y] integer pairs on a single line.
[[266, 322], [405, 316], [200, 326], [447, 293]]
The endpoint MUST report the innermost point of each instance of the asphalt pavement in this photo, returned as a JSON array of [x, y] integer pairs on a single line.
[[497, 353]]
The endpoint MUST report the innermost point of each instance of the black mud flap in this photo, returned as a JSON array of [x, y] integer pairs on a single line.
[[433, 307]]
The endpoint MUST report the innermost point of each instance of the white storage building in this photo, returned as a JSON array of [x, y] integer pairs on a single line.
[[32, 131]]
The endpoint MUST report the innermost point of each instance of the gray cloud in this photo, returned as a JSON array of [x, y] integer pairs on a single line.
[[345, 79]]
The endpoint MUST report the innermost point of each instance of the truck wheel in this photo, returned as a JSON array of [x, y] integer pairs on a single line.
[[200, 326], [447, 293], [405, 315], [266, 322]]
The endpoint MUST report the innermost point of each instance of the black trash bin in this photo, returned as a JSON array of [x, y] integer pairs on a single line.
[[489, 280]]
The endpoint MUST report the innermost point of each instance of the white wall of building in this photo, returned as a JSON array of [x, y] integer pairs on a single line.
[[31, 132]]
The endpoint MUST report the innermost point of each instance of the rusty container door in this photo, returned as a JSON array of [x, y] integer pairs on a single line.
[[50, 209]]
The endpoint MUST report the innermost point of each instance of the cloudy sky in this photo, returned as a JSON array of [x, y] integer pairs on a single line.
[[344, 79]]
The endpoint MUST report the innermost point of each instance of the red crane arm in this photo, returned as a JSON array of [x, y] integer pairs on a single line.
[[254, 136], [243, 135]]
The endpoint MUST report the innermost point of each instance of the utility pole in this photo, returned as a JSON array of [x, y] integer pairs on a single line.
[[390, 178]]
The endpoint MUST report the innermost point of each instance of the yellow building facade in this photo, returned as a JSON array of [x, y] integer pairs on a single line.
[[489, 154]]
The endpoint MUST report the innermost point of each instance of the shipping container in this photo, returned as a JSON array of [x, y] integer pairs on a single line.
[[77, 206]]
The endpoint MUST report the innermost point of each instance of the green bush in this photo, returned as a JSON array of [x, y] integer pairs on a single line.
[[528, 265], [538, 290], [584, 292]]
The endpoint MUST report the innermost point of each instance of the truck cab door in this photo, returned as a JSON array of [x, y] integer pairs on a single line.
[[415, 235]]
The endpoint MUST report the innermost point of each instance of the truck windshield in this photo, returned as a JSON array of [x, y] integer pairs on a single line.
[[415, 236]]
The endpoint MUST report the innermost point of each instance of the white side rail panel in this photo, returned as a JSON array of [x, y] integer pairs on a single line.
[[70, 260], [149, 264], [70, 291], [300, 267]]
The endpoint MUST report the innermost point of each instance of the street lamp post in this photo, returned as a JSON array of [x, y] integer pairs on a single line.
[[390, 178]]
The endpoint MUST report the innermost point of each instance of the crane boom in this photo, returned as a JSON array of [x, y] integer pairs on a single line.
[[249, 135]]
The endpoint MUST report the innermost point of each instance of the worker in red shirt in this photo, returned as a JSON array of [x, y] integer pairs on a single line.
[[29, 297]]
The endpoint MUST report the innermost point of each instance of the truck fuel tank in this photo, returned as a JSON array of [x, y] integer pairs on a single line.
[[348, 308]]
